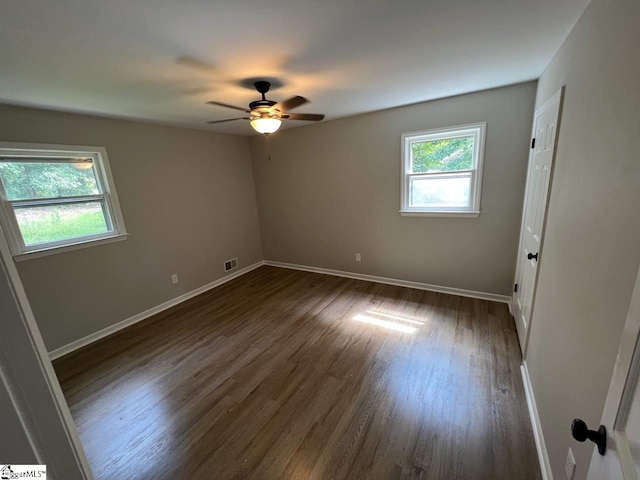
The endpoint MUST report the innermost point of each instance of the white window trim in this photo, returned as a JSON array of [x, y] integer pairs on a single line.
[[473, 211], [105, 180]]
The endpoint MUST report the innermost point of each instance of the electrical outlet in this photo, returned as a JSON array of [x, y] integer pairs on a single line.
[[358, 257], [174, 278], [570, 465]]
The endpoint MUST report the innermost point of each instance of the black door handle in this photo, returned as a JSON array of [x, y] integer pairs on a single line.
[[531, 256], [580, 432]]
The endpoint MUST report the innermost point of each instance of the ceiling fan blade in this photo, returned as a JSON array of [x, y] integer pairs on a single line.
[[312, 117], [228, 120], [289, 104], [220, 104]]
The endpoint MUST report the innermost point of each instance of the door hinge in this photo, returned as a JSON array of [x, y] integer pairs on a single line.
[[515, 288], [533, 143]]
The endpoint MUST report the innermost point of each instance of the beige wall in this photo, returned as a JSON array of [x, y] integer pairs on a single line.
[[188, 202], [592, 247], [333, 189]]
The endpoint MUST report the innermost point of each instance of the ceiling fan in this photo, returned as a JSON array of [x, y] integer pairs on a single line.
[[266, 115]]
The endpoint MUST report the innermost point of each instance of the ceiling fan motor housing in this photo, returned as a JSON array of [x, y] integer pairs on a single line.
[[261, 103]]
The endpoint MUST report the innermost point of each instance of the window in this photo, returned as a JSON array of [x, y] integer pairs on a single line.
[[57, 198], [442, 171]]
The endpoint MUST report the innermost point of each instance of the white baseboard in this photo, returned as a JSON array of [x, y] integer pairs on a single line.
[[541, 447], [75, 345], [393, 281]]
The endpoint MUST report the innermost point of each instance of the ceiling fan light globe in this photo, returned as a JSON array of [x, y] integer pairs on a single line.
[[266, 125], [84, 164]]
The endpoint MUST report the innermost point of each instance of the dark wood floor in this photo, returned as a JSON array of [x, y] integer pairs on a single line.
[[283, 374]]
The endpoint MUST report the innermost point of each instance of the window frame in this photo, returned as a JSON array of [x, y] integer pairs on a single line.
[[478, 130], [52, 153]]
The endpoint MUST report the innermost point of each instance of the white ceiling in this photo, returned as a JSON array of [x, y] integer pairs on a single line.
[[160, 60]]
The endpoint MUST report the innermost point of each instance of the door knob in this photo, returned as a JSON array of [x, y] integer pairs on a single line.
[[580, 432], [531, 256]]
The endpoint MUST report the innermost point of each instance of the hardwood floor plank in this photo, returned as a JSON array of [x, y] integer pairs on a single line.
[[282, 374]]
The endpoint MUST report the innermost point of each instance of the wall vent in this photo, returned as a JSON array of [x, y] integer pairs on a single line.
[[231, 264]]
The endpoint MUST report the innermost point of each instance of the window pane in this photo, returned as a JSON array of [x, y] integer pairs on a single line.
[[450, 191], [30, 180], [50, 223], [446, 155]]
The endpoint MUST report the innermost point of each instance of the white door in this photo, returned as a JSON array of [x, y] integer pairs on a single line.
[[621, 415], [545, 130]]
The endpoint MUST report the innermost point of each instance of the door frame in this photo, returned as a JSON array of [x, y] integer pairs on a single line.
[[623, 380], [27, 372], [558, 96]]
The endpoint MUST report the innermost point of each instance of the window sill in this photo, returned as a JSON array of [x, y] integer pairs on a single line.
[[68, 248], [409, 213]]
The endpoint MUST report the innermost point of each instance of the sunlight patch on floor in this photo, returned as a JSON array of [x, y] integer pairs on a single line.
[[395, 317], [390, 322]]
